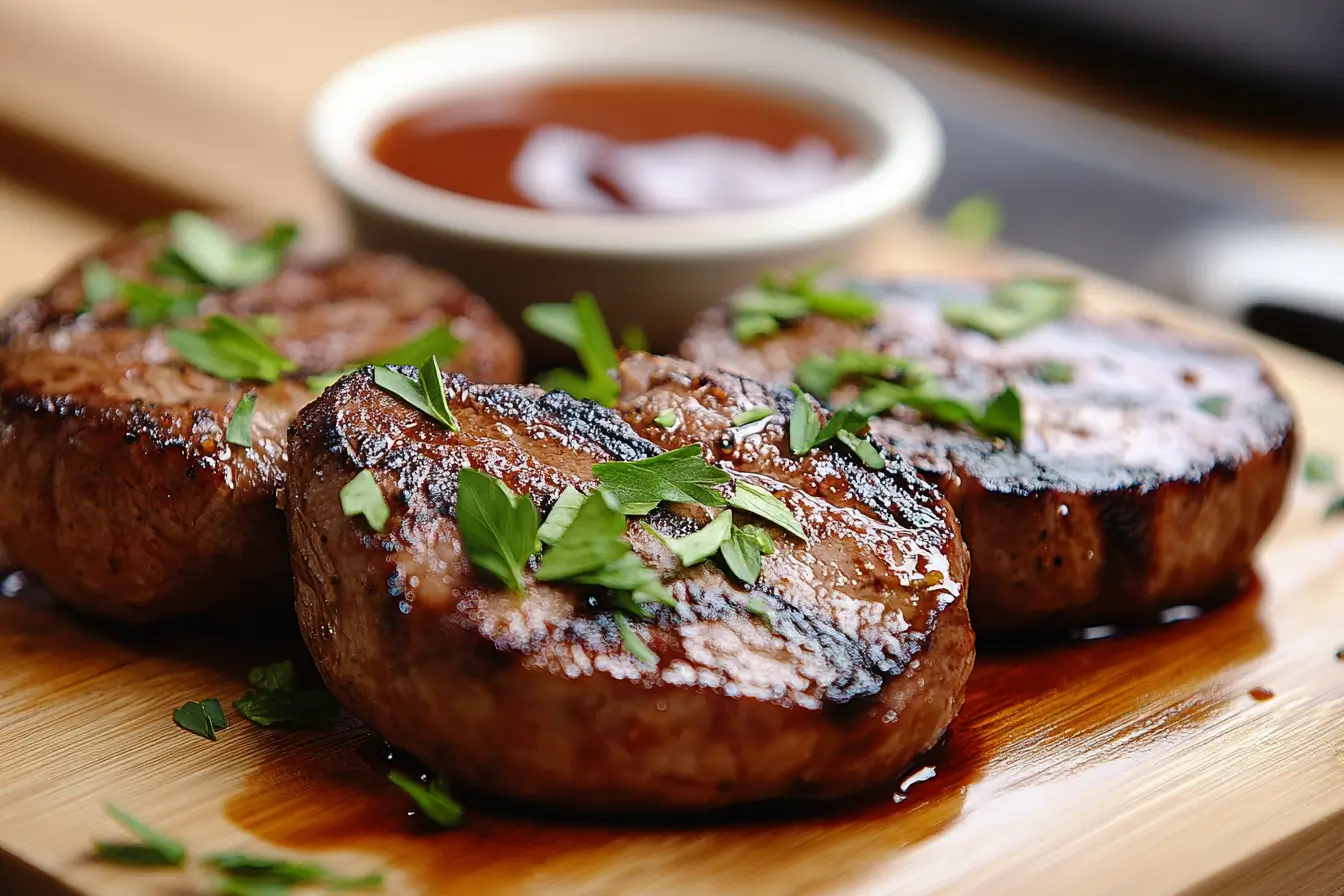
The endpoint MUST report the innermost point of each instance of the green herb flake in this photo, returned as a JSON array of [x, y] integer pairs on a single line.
[[749, 326], [760, 311], [865, 450], [754, 499], [565, 509], [499, 528], [1002, 416], [148, 305], [634, 338], [1215, 405], [229, 349], [580, 326], [704, 543], [299, 709], [804, 424], [432, 799], [215, 256], [281, 871], [1335, 507], [240, 424], [752, 415], [666, 418], [361, 496], [1014, 307], [821, 374], [681, 475], [320, 382], [1054, 372], [431, 382], [591, 550], [741, 553], [1318, 468], [273, 676], [758, 608], [402, 386], [153, 848], [975, 220], [634, 645], [246, 886], [266, 324], [438, 340], [201, 719], [100, 283]]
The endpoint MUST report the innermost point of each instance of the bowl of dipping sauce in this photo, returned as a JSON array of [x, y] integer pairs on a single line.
[[657, 159]]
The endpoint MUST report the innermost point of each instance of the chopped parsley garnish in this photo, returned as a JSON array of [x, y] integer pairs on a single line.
[[682, 475], [580, 326], [742, 552], [432, 799], [100, 282], [592, 550], [762, 310], [202, 719], [151, 848], [753, 499], [806, 431], [231, 350], [438, 341], [1014, 307], [362, 496], [499, 528], [258, 872], [752, 415], [975, 220], [1054, 372], [758, 608], [864, 449], [427, 395], [240, 424], [266, 324], [148, 305], [203, 251], [666, 418], [1318, 468], [1215, 405], [1335, 507], [1002, 416], [634, 338], [300, 709], [273, 676], [821, 374], [633, 643], [562, 513], [703, 543]]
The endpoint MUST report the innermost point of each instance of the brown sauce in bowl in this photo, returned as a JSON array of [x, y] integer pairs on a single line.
[[648, 146]]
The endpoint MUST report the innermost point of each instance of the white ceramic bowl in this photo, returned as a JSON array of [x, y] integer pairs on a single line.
[[655, 271]]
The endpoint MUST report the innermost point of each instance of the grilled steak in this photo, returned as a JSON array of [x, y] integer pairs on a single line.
[[859, 668], [1142, 482], [117, 484]]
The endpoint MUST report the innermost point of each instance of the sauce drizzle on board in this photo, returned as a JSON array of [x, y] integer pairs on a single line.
[[650, 146]]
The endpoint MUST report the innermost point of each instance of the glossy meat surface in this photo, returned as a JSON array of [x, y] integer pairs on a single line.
[[117, 485], [1143, 482], [860, 667]]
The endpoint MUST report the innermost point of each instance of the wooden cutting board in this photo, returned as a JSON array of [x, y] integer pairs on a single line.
[[1138, 763]]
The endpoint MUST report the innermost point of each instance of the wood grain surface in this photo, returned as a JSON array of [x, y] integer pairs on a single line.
[[1134, 764]]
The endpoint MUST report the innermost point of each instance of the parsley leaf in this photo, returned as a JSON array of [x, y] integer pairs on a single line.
[[634, 645], [592, 550], [702, 544], [758, 608], [215, 256], [638, 486], [1002, 416], [499, 528], [153, 848], [1216, 405], [431, 382], [821, 374], [100, 283], [1318, 468], [760, 311], [1014, 307], [402, 386], [202, 719], [437, 340], [230, 350], [362, 496], [806, 431], [634, 338], [742, 552], [754, 499], [975, 220], [302, 709], [1054, 372], [752, 415], [240, 424], [666, 418], [1335, 507], [866, 450], [562, 514], [148, 305], [273, 677], [259, 872], [432, 799], [580, 326]]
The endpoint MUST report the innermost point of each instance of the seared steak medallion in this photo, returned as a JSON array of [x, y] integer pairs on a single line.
[[846, 659], [1151, 464], [118, 486]]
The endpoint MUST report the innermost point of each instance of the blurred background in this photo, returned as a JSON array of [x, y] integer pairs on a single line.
[[1193, 146]]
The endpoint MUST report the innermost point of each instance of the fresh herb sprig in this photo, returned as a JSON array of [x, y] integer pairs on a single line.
[[822, 374], [975, 220], [202, 719], [807, 432], [427, 395], [239, 431], [1016, 306], [774, 302], [431, 798], [499, 528], [580, 326], [231, 350], [1000, 417], [150, 846], [361, 496], [681, 475], [438, 341], [201, 251], [278, 700]]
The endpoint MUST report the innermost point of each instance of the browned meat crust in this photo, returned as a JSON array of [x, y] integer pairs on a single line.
[[117, 486], [1126, 496], [862, 667]]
